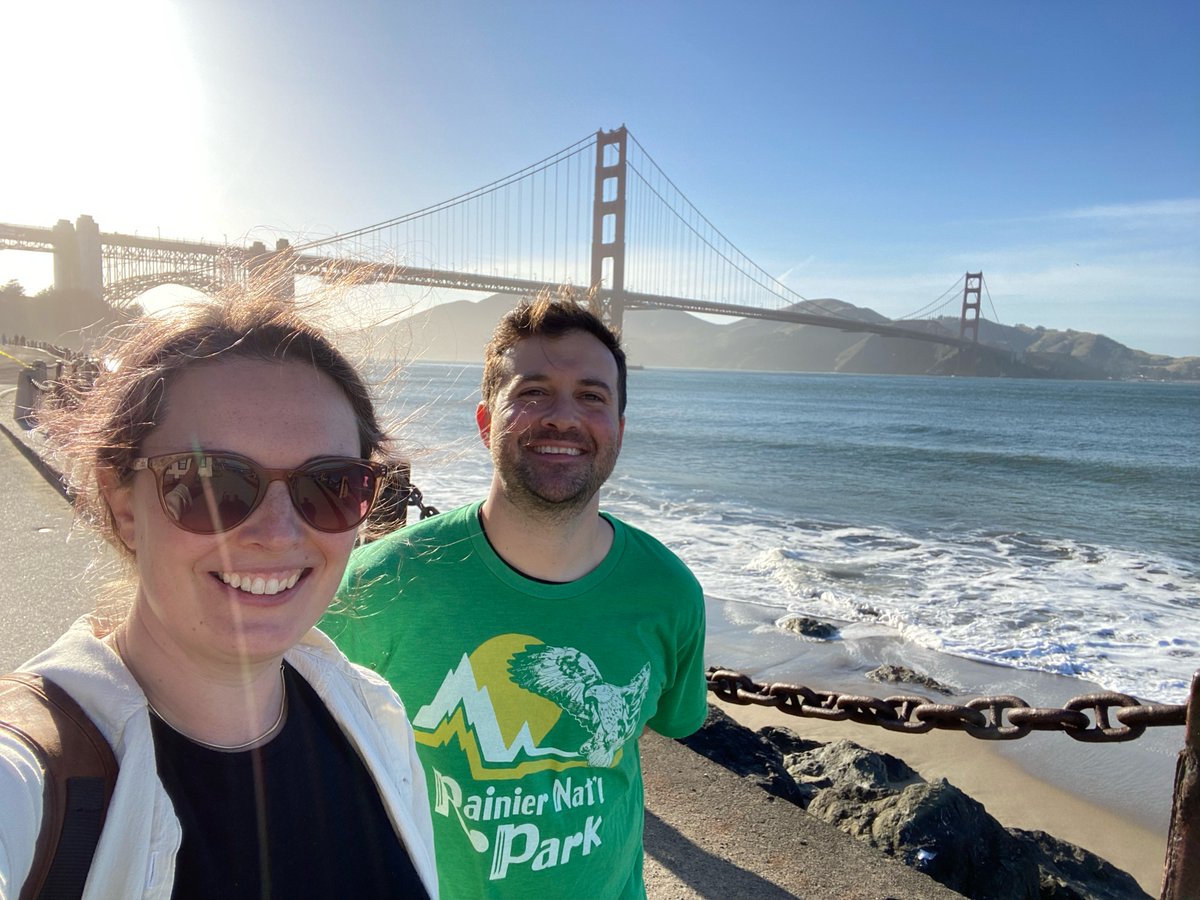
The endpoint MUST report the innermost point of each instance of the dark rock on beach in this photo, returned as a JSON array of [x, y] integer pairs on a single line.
[[744, 752], [889, 674], [931, 826], [1071, 873], [808, 627]]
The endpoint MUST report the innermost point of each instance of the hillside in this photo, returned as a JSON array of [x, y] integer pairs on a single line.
[[457, 332]]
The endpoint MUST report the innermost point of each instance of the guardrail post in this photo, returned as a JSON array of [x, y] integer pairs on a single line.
[[1181, 873], [29, 393]]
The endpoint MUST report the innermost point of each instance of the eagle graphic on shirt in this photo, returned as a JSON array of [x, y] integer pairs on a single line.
[[568, 677]]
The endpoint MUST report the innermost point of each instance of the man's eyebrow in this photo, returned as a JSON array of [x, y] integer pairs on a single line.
[[536, 376], [596, 382]]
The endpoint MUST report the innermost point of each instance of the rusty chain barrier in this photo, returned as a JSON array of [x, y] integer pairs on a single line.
[[1114, 717]]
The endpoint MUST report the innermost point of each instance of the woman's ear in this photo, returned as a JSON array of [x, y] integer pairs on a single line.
[[119, 499]]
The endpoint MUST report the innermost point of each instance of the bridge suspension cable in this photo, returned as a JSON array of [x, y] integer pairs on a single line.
[[946, 300], [532, 224], [679, 251], [995, 317]]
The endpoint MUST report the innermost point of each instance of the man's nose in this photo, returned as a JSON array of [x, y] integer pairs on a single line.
[[560, 412]]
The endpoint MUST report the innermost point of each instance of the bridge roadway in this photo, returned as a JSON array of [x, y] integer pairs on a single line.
[[709, 833], [195, 264], [327, 267]]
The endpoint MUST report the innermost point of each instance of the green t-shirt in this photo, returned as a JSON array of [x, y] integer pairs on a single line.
[[527, 698]]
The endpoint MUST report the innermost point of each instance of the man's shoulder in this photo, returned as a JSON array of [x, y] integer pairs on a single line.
[[651, 550], [438, 530]]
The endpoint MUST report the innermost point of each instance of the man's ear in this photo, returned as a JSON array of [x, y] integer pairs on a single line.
[[119, 498], [483, 418]]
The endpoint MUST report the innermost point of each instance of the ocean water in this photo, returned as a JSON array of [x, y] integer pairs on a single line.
[[959, 525]]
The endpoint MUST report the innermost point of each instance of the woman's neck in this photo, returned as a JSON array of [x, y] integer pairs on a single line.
[[230, 706]]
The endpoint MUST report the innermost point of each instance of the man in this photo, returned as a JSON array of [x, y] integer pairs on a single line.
[[532, 637]]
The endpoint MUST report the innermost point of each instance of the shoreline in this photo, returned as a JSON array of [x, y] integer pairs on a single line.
[[1134, 779], [1013, 795]]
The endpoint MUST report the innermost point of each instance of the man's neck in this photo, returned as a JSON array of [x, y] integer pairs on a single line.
[[558, 548]]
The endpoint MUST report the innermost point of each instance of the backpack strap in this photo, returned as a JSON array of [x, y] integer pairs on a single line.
[[80, 773]]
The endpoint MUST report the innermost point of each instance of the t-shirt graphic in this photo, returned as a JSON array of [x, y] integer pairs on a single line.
[[569, 678], [517, 706], [503, 699]]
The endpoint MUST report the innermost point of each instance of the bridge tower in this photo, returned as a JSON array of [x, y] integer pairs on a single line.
[[969, 320], [275, 272], [78, 265], [608, 227]]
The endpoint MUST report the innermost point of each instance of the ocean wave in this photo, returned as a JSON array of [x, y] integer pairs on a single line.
[[1129, 622]]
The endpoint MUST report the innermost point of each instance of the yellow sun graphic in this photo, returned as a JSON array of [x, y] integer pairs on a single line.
[[514, 705]]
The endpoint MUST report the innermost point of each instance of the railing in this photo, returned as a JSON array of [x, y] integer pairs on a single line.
[[1006, 718]]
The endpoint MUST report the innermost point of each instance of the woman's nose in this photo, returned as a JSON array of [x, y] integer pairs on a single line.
[[276, 521]]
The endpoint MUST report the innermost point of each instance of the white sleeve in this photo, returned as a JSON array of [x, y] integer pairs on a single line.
[[21, 785]]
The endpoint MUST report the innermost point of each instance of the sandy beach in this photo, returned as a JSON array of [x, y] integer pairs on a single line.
[[1010, 793]]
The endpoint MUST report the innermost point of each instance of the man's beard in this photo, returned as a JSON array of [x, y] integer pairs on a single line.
[[544, 488]]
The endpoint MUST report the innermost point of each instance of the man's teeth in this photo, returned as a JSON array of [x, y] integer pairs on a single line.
[[564, 451], [257, 584]]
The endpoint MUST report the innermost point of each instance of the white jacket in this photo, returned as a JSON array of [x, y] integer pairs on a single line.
[[136, 853]]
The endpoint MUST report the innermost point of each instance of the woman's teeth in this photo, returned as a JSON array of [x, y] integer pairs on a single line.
[[257, 584]]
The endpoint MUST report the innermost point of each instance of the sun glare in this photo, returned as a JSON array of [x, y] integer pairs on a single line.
[[104, 115]]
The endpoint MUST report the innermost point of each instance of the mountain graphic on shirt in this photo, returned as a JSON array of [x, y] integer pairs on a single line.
[[500, 726], [502, 701]]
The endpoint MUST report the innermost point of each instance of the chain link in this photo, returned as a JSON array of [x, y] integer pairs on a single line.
[[416, 499], [998, 718]]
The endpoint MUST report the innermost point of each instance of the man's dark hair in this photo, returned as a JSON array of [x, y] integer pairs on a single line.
[[550, 317]]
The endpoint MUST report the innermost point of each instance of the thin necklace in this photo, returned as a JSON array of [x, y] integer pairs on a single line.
[[222, 748], [234, 748]]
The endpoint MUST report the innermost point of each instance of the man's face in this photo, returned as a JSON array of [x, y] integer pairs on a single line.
[[553, 428]]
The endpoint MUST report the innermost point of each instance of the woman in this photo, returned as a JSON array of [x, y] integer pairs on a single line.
[[226, 454]]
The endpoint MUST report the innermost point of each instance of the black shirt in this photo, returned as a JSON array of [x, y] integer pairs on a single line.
[[298, 817]]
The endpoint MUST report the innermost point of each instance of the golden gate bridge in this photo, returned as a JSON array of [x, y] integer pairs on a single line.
[[599, 216]]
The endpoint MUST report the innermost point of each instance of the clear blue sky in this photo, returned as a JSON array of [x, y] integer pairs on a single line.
[[870, 151]]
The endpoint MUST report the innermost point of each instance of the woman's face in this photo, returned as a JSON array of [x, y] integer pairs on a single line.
[[281, 415]]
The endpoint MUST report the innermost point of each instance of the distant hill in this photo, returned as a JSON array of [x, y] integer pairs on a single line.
[[457, 332]]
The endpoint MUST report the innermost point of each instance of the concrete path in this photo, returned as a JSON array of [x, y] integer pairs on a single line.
[[48, 575]]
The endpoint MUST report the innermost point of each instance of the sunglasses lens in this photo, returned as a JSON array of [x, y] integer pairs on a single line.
[[206, 493], [334, 496]]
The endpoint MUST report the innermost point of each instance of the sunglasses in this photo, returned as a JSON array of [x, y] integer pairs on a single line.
[[207, 493]]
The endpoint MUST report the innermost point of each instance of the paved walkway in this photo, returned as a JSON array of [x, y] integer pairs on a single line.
[[709, 833]]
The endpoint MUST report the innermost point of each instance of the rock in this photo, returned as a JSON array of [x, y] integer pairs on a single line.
[[740, 750], [877, 798], [843, 769], [889, 674], [808, 627], [938, 829], [1071, 873], [933, 827]]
